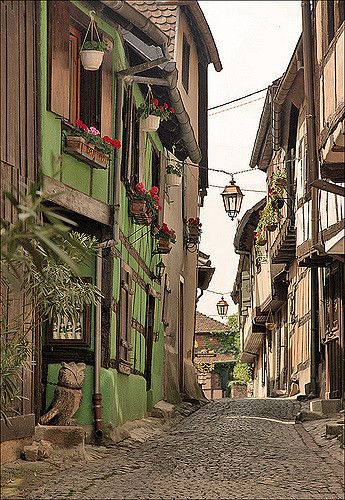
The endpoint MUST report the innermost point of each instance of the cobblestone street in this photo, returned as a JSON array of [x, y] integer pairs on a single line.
[[249, 449]]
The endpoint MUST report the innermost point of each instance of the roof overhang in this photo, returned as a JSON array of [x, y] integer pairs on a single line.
[[245, 230]]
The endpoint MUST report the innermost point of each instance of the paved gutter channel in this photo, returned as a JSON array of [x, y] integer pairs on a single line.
[[245, 449]]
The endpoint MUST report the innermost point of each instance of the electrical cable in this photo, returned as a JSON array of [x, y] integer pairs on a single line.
[[234, 107], [237, 99], [249, 190]]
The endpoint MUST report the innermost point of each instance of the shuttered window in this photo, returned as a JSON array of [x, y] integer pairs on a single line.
[[74, 92], [125, 319]]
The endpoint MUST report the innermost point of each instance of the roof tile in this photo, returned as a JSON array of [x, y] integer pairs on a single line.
[[205, 324]]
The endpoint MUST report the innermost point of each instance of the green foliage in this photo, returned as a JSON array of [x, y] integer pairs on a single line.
[[40, 260], [95, 45], [242, 372]]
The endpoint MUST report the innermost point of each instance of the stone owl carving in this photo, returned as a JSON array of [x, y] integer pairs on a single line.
[[67, 395]]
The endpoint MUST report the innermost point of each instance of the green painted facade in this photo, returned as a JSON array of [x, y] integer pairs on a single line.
[[124, 396]]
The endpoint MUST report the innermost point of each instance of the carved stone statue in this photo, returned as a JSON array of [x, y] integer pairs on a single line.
[[67, 395]]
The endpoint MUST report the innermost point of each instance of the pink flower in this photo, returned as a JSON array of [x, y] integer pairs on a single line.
[[94, 131], [172, 109], [161, 108], [84, 127], [166, 105]]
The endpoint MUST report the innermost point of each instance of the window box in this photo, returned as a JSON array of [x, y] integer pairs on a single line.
[[82, 150]]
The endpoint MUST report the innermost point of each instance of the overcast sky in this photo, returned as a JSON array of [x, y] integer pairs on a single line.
[[255, 40]]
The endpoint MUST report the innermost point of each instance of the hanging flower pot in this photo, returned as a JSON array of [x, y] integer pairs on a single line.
[[92, 51], [163, 245], [271, 227], [91, 59], [173, 179], [261, 241], [150, 123], [139, 210]]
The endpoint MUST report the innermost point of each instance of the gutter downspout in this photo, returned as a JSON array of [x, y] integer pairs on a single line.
[[97, 396], [118, 160], [308, 57]]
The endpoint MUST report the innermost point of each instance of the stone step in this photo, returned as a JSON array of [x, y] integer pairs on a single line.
[[325, 406], [334, 429]]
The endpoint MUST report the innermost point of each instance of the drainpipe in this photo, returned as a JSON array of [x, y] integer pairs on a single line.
[[97, 396], [308, 56]]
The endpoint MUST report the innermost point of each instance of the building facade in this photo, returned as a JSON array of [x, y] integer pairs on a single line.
[[137, 344], [292, 328]]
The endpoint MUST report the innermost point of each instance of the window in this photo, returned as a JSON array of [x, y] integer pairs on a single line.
[[335, 12], [84, 86], [131, 141], [156, 167], [185, 63], [125, 320]]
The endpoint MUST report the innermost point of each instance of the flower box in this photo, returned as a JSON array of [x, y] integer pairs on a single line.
[[151, 123], [78, 147], [173, 179], [163, 245], [140, 212]]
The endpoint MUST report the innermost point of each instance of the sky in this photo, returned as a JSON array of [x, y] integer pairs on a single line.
[[255, 40]]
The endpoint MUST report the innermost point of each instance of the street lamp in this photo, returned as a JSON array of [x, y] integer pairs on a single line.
[[160, 267], [232, 198], [222, 307]]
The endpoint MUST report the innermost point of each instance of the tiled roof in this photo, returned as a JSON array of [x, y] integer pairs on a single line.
[[163, 15], [205, 324]]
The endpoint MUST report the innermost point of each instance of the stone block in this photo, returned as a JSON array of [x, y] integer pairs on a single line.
[[68, 439], [31, 453], [163, 409], [39, 450], [334, 429], [325, 406]]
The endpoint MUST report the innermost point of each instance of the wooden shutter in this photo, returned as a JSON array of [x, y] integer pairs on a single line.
[[58, 36], [162, 162], [127, 121], [246, 290], [107, 95], [125, 319]]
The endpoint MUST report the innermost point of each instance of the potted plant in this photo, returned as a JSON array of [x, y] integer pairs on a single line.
[[174, 174], [279, 179], [261, 238], [193, 226], [270, 216], [165, 237], [144, 204], [91, 54], [152, 113]]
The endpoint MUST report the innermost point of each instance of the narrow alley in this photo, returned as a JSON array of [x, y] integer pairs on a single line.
[[244, 449]]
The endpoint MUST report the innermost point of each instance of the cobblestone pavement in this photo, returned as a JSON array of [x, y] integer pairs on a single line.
[[248, 449]]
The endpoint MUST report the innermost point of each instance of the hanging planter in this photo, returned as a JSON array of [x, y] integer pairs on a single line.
[[150, 123], [151, 112], [144, 204], [92, 51], [261, 241], [140, 211], [174, 174], [165, 238], [271, 227]]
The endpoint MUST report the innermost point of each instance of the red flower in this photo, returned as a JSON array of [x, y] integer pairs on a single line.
[[116, 144], [140, 188], [154, 102], [166, 105], [107, 139], [161, 108], [84, 127], [172, 109], [154, 190], [79, 123]]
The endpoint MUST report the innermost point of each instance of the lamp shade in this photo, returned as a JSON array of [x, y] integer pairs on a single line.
[[160, 267], [232, 198], [222, 307]]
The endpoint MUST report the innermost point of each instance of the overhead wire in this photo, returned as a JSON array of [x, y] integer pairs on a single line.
[[234, 107], [237, 99]]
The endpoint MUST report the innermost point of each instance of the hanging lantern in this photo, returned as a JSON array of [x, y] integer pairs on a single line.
[[222, 307], [160, 268], [232, 198]]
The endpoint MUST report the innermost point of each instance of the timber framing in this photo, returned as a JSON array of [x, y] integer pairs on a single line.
[[76, 201]]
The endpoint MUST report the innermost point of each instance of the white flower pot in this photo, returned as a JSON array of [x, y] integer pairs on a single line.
[[173, 179], [91, 59], [151, 123]]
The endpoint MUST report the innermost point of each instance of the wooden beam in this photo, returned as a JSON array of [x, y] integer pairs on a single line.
[[327, 186], [139, 68], [144, 79], [76, 201]]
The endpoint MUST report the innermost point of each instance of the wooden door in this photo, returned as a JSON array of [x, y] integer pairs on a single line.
[[334, 334]]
